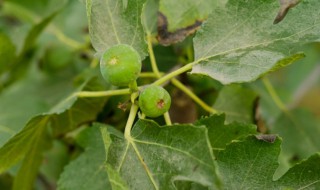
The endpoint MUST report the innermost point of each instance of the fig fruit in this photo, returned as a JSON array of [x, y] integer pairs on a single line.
[[154, 101], [120, 65]]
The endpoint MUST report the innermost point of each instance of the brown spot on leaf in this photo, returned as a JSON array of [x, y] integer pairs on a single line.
[[285, 5], [167, 38], [267, 138]]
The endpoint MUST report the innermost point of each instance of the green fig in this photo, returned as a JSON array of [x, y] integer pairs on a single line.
[[154, 101], [120, 65]]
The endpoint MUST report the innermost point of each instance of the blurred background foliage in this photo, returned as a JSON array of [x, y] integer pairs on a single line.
[[45, 54]]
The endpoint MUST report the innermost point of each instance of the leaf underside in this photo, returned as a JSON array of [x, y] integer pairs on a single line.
[[244, 44]]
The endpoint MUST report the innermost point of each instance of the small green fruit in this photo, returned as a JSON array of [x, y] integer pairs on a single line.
[[120, 65], [154, 101]]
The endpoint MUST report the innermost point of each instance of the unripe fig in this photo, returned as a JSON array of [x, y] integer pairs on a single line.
[[154, 101], [120, 65]]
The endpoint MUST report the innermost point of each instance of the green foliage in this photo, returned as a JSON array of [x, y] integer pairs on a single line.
[[62, 126], [7, 52], [237, 103], [93, 173], [255, 165], [244, 43]]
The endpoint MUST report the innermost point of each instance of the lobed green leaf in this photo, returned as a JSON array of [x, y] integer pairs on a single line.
[[239, 42], [158, 157], [255, 164]]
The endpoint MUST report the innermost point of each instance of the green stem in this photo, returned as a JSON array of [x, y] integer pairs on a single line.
[[167, 118], [63, 38], [142, 116], [152, 57], [91, 94], [174, 73], [134, 89], [177, 83], [132, 115], [133, 86], [274, 95], [149, 75], [94, 63], [194, 97]]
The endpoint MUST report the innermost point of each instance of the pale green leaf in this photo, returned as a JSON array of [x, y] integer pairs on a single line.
[[32, 10], [149, 16], [239, 42], [110, 23], [34, 33], [73, 12], [34, 93], [238, 103], [300, 131], [293, 85], [117, 183], [186, 14]]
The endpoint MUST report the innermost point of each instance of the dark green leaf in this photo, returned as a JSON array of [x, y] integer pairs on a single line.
[[35, 141], [31, 141], [159, 157], [28, 146], [7, 52], [304, 175], [54, 160], [73, 111], [23, 143], [92, 173], [250, 164], [221, 134]]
